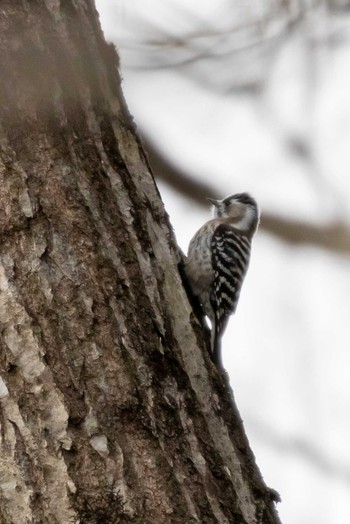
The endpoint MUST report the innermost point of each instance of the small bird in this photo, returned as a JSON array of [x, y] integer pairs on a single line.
[[218, 259]]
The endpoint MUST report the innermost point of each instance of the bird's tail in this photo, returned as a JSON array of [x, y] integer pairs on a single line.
[[216, 332]]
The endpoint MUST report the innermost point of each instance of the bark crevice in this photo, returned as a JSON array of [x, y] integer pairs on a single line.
[[109, 406]]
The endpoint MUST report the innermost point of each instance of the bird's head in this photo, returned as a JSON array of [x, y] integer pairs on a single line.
[[241, 209]]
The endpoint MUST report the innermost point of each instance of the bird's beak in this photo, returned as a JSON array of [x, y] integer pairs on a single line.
[[213, 201]]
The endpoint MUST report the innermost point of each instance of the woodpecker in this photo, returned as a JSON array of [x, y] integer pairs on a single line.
[[218, 259]]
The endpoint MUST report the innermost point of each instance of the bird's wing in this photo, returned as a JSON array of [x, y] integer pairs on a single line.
[[230, 259]]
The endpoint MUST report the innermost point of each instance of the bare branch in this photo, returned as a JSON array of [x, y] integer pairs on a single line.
[[334, 236]]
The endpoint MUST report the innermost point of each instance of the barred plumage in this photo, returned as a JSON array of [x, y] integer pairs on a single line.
[[218, 259]]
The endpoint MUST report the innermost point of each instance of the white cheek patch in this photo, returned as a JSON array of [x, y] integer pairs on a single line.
[[245, 222]]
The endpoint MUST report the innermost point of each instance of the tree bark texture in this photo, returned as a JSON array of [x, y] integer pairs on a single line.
[[110, 408]]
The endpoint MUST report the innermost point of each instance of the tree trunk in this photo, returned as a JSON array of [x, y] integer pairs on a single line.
[[111, 410]]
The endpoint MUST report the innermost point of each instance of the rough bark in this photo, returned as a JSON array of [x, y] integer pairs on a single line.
[[110, 408]]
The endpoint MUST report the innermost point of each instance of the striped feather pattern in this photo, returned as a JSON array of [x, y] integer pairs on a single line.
[[230, 260]]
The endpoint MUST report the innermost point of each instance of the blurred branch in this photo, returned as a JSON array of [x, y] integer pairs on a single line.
[[231, 54], [299, 446], [334, 236]]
